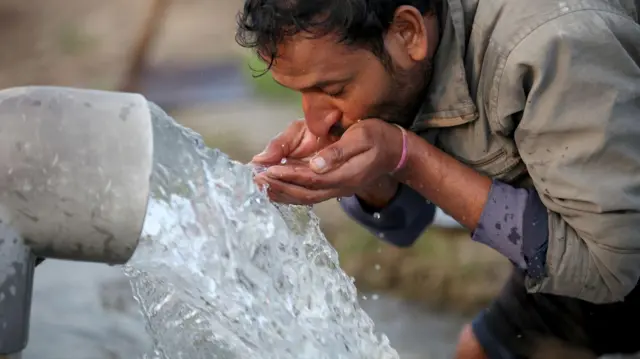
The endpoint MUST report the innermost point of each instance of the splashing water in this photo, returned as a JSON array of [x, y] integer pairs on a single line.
[[220, 272]]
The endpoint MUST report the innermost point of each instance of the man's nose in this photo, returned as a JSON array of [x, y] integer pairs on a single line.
[[319, 116]]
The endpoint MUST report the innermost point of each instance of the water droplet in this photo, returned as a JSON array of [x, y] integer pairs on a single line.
[[26, 187], [381, 235], [375, 297], [377, 267], [376, 215], [283, 161], [339, 199]]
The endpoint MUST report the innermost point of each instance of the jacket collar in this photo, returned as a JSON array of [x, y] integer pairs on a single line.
[[448, 102]]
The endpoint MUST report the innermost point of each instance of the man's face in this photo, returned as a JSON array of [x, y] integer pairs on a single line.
[[342, 84]]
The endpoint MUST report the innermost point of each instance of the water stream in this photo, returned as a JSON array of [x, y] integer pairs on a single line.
[[221, 272]]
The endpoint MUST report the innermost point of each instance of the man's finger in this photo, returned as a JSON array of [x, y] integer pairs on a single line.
[[282, 145], [346, 176], [288, 193], [300, 175], [336, 154]]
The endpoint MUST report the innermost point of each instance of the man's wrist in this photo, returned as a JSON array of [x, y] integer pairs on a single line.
[[456, 188], [379, 194]]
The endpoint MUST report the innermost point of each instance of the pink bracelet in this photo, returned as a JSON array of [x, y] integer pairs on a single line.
[[405, 149]]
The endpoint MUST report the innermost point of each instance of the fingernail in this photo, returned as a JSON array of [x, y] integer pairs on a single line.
[[318, 163], [260, 155], [274, 172]]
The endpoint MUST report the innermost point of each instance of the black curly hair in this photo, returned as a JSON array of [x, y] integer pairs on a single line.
[[264, 24]]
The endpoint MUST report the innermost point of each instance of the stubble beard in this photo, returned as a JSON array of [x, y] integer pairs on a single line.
[[405, 96]]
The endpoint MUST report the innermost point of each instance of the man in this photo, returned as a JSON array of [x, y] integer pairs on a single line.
[[519, 118]]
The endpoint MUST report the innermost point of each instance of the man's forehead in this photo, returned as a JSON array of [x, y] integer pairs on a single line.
[[302, 54]]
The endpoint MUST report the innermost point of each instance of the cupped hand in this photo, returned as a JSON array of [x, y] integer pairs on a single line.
[[295, 143], [367, 151]]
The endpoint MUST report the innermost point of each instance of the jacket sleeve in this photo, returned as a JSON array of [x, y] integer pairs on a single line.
[[400, 223], [571, 91], [514, 223]]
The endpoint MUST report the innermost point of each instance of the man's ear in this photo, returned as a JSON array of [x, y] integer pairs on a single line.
[[408, 32]]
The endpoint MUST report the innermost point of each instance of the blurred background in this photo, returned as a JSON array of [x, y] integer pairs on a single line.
[[182, 55]]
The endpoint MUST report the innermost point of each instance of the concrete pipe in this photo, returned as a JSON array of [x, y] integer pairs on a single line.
[[74, 182]]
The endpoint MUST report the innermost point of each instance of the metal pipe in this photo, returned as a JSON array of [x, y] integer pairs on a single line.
[[74, 183]]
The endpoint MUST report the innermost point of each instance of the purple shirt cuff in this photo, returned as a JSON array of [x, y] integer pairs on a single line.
[[401, 222], [514, 223]]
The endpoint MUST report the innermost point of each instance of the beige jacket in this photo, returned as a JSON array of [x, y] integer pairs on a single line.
[[547, 93]]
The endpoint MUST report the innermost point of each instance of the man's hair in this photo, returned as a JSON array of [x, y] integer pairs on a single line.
[[264, 24]]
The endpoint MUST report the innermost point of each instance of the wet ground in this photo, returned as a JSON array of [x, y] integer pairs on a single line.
[[86, 311]]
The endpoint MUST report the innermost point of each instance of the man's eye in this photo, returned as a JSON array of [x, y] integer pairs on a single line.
[[335, 93]]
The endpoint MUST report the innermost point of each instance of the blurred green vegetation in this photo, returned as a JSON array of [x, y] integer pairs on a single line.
[[73, 40]]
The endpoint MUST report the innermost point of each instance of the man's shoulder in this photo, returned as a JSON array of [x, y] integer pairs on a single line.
[[507, 22]]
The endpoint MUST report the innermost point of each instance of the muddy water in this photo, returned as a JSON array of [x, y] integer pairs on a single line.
[[86, 311]]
